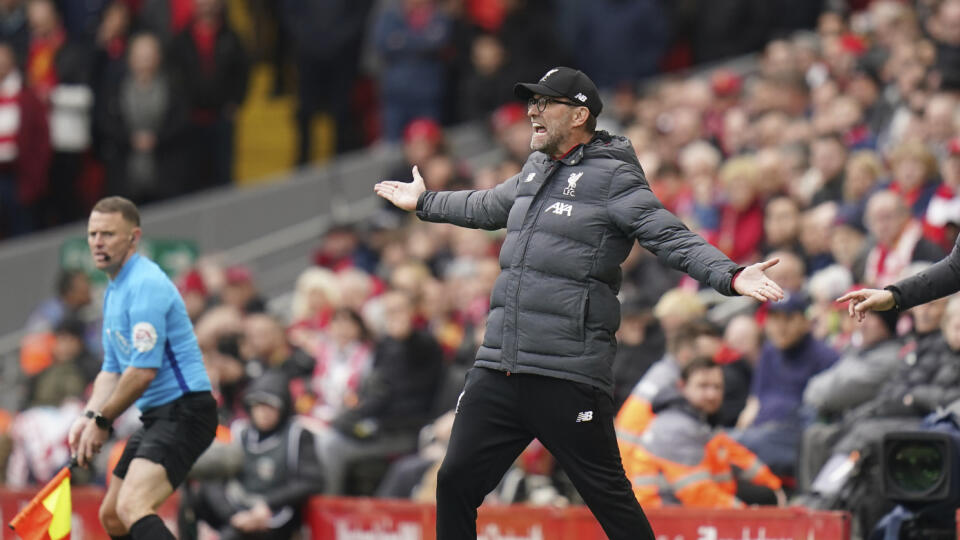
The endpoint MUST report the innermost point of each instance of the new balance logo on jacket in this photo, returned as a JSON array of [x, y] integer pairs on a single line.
[[584, 416], [560, 209]]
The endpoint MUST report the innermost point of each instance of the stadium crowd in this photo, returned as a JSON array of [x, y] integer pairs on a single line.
[[140, 97], [837, 151]]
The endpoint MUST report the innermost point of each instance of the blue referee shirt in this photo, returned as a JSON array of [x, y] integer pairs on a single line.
[[145, 325]]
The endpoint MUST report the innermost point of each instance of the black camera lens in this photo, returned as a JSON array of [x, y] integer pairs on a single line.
[[916, 466]]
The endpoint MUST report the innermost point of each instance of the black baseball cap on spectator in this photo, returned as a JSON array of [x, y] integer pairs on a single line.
[[793, 302], [564, 82], [851, 215]]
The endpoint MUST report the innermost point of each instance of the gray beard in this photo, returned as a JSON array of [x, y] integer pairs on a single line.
[[549, 145]]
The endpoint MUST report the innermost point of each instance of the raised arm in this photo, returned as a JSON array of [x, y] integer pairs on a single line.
[[477, 209], [638, 212]]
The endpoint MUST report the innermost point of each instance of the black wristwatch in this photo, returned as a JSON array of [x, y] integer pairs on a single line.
[[102, 422]]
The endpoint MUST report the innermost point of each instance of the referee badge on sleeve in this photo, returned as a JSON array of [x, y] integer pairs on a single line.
[[144, 336]]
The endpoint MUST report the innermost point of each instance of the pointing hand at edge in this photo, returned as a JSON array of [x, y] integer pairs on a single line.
[[864, 300]]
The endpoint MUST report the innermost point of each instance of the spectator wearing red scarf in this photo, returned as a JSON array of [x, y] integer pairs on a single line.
[[58, 69], [214, 68], [741, 215], [899, 239], [47, 36], [943, 212]]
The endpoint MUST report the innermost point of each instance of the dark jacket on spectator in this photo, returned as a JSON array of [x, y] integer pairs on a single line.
[[14, 30], [621, 41], [854, 379], [919, 361], [737, 376], [632, 362], [292, 479], [936, 381], [169, 153], [730, 28], [930, 377], [948, 63], [570, 224], [398, 395], [222, 83], [782, 375], [413, 55], [279, 467]]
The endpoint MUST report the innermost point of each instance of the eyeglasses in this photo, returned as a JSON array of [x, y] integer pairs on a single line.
[[542, 102]]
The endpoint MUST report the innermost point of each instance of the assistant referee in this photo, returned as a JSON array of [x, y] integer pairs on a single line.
[[150, 359]]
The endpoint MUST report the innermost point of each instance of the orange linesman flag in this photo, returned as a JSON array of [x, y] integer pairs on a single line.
[[47, 516]]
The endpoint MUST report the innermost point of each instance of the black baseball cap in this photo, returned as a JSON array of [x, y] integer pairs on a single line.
[[564, 82], [793, 302]]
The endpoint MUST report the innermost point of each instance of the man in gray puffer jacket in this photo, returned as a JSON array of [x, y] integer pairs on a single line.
[[543, 370]]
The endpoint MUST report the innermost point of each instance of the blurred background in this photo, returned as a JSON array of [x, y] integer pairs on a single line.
[[251, 132]]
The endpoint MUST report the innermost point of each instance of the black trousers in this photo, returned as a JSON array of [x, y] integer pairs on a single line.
[[499, 414]]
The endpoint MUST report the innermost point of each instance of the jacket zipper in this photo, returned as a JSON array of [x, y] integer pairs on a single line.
[[523, 256]]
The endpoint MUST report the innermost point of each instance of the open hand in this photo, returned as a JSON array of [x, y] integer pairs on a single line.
[[753, 282], [864, 300], [403, 195]]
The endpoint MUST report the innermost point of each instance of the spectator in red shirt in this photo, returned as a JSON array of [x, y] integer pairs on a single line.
[[741, 215], [24, 149]]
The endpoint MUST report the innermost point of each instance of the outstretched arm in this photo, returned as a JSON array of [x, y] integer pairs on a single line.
[[477, 209], [941, 279], [637, 211]]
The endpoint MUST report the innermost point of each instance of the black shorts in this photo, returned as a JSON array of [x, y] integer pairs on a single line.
[[173, 435]]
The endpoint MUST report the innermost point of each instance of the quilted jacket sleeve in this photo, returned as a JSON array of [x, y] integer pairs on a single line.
[[638, 212], [483, 209]]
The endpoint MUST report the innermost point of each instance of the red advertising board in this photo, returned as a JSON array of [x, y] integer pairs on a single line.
[[376, 519], [367, 519]]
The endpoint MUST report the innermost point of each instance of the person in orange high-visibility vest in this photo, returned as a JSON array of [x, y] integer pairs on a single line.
[[680, 459], [633, 418]]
